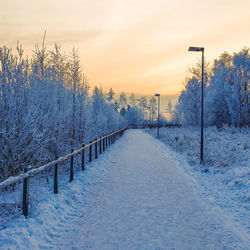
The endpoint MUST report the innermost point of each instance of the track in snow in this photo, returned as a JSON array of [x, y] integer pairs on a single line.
[[142, 199]]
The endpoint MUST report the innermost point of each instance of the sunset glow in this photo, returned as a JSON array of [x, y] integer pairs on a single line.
[[131, 46]]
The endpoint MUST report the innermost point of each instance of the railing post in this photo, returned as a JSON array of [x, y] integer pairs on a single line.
[[103, 144], [100, 145], [106, 141], [96, 155], [90, 152], [83, 160], [26, 195], [71, 177], [56, 176]]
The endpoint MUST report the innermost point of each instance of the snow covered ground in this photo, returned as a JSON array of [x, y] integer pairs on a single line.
[[226, 171], [140, 194]]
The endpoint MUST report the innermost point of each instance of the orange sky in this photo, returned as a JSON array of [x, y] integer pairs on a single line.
[[132, 46]]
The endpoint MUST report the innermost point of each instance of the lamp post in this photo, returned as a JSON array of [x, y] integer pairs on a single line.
[[158, 114], [198, 49]]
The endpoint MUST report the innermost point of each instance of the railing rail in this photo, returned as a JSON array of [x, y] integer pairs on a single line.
[[37, 170], [103, 142]]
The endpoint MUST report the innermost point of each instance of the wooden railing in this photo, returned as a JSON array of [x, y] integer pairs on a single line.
[[103, 142]]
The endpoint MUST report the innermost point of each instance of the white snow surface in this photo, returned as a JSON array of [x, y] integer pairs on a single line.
[[226, 179], [137, 195]]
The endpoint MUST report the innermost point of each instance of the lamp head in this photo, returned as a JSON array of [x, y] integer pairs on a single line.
[[157, 94], [196, 49]]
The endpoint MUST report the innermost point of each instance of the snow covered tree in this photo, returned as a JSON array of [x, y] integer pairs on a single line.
[[226, 92], [123, 100], [189, 103], [132, 100], [153, 107], [75, 74], [45, 108], [110, 96], [227, 96], [217, 112], [241, 73], [134, 117], [143, 103]]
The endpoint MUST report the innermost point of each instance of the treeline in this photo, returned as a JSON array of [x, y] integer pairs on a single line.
[[136, 111], [46, 108], [226, 93]]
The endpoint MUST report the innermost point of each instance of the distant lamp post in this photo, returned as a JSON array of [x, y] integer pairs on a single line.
[[198, 49], [158, 115]]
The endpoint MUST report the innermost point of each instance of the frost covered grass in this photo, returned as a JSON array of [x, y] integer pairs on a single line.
[[222, 148], [226, 170]]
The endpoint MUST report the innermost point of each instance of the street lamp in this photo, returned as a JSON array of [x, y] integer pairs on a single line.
[[198, 49], [158, 114]]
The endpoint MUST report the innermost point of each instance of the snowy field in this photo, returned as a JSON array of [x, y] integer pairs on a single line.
[[226, 171], [140, 194]]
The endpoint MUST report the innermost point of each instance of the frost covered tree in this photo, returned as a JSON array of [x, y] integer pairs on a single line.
[[217, 112], [58, 65], [143, 103], [189, 103], [122, 100], [45, 108], [132, 100], [226, 93], [103, 116], [153, 107], [75, 75], [134, 117], [110, 95], [241, 83]]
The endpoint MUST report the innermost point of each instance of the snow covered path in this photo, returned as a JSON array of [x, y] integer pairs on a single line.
[[143, 199]]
